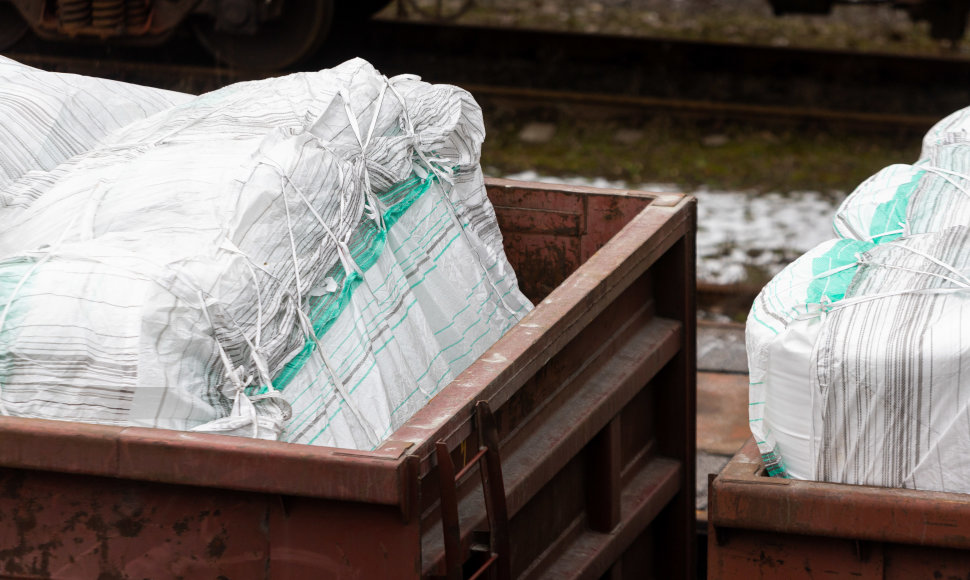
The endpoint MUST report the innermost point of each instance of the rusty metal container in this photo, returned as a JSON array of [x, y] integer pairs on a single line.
[[763, 527], [577, 429]]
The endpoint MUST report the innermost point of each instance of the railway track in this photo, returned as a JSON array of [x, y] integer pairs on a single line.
[[200, 79], [685, 77], [519, 68]]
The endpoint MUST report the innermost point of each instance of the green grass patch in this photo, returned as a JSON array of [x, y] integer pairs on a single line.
[[718, 156]]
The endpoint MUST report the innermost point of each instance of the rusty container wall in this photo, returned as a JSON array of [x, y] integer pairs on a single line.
[[593, 399], [763, 527], [593, 392]]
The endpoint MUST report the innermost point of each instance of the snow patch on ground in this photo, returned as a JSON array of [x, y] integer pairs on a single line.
[[741, 236]]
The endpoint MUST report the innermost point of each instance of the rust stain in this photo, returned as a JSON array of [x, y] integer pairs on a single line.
[[181, 526], [613, 211], [70, 524], [217, 546], [24, 557], [96, 524], [12, 484], [130, 527], [130, 520]]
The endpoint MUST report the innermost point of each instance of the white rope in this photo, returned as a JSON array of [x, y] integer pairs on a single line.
[[938, 262], [860, 299], [259, 306], [939, 171], [834, 271], [343, 250], [261, 365], [241, 401], [826, 305], [228, 246], [376, 212], [231, 372], [263, 369], [289, 232], [901, 230]]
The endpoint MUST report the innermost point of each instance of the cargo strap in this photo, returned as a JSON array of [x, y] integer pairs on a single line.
[[495, 548]]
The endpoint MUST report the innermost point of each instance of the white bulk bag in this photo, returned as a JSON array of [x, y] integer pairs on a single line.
[[890, 369], [780, 334], [308, 258]]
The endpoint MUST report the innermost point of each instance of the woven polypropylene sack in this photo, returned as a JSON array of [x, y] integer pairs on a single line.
[[309, 258]]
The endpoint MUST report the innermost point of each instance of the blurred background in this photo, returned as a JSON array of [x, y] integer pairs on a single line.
[[771, 112]]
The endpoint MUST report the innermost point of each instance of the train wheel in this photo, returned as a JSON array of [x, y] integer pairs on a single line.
[[361, 9], [279, 43], [12, 26], [441, 10]]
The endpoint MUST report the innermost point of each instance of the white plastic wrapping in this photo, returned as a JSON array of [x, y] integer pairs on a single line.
[[864, 381], [47, 118], [890, 368], [782, 326], [307, 258]]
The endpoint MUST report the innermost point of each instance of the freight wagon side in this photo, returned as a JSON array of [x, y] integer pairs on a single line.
[[581, 418], [767, 527]]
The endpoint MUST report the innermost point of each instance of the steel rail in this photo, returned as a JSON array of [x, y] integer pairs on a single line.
[[702, 77]]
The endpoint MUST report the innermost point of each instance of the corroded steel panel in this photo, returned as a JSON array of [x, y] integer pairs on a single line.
[[556, 384], [53, 526], [335, 539], [205, 460], [611, 341], [93, 527], [782, 528]]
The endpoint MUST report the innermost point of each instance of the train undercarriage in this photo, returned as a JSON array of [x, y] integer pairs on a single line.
[[275, 34], [260, 34]]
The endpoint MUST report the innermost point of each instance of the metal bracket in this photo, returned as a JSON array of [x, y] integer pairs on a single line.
[[495, 547]]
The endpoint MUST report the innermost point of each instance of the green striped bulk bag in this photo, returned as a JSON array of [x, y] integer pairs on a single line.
[[890, 368], [954, 128], [876, 210], [428, 283], [942, 199], [780, 336], [788, 314], [307, 258]]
